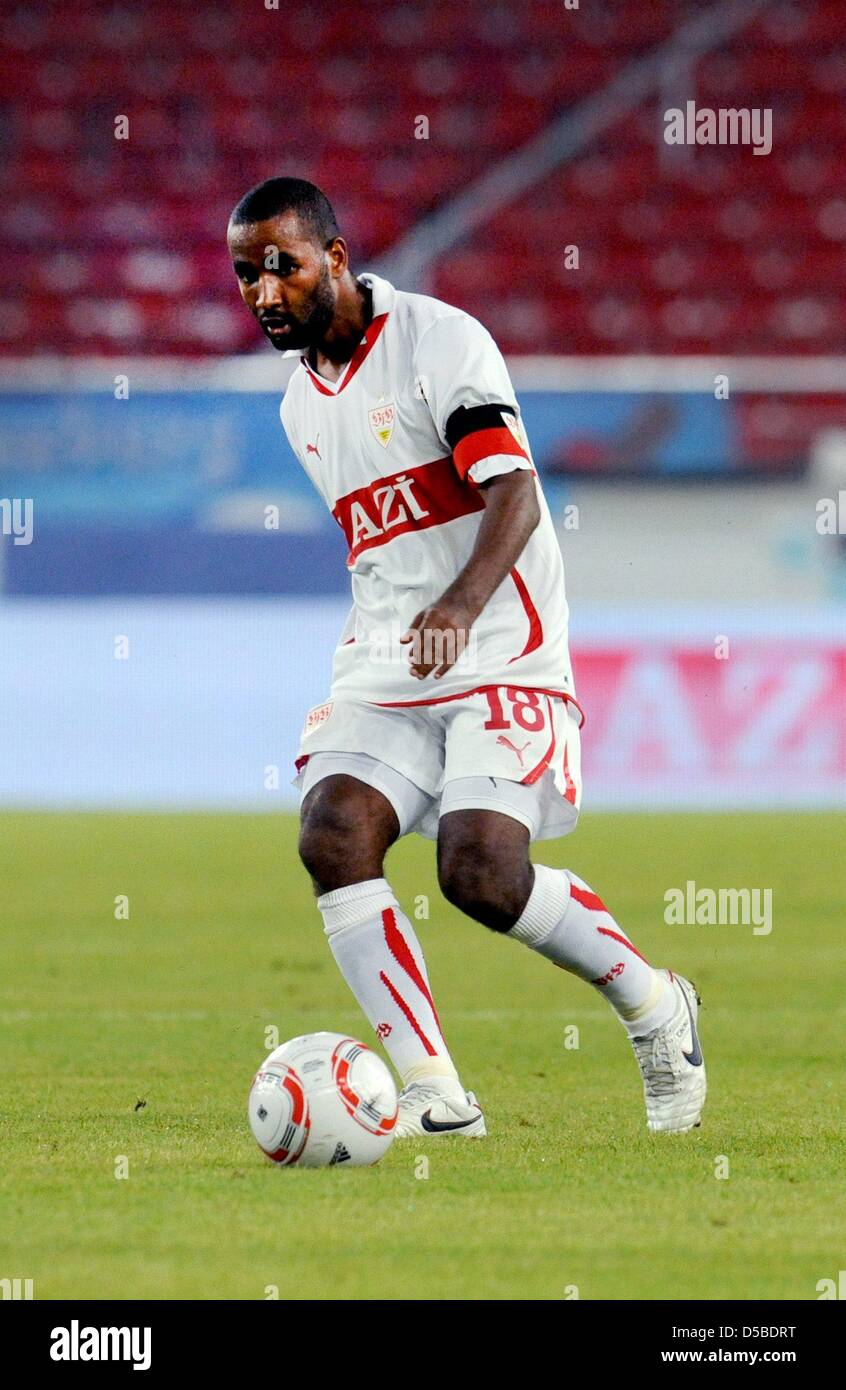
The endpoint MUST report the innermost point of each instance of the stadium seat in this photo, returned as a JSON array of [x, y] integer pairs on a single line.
[[674, 243]]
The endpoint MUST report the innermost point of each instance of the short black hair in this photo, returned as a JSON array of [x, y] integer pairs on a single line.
[[276, 196]]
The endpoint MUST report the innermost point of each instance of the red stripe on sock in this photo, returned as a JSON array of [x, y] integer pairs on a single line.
[[401, 1004], [623, 940], [401, 952], [589, 900]]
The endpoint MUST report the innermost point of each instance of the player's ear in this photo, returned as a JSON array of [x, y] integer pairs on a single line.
[[339, 256]]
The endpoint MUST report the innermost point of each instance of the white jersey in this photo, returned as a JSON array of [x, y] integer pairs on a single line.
[[376, 445]]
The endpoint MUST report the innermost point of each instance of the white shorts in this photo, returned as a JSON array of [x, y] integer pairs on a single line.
[[502, 749]]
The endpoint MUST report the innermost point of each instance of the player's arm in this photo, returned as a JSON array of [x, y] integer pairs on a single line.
[[464, 381], [511, 515]]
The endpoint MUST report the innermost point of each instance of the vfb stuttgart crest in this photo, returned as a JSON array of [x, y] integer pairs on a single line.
[[382, 423]]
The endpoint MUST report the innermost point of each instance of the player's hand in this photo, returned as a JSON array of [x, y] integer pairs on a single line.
[[437, 637]]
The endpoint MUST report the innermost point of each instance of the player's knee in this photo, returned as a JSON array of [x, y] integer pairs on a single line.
[[329, 837], [342, 838], [318, 851], [477, 879]]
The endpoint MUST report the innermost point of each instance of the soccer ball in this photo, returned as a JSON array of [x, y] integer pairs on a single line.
[[323, 1099]]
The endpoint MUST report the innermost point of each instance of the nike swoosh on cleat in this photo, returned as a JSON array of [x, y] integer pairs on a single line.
[[695, 1057], [438, 1127]]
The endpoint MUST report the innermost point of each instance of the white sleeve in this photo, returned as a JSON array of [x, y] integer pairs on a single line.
[[457, 363], [286, 416]]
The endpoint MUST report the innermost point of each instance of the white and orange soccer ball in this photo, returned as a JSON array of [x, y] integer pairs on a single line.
[[323, 1099]]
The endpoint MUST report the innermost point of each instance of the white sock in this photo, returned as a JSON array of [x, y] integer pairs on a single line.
[[565, 921], [380, 958]]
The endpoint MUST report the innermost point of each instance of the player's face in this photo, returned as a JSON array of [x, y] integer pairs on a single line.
[[286, 279]]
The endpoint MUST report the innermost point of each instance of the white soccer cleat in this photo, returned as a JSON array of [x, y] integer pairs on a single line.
[[672, 1065], [425, 1110]]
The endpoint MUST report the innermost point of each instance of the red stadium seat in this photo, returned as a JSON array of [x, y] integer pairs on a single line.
[[680, 249]]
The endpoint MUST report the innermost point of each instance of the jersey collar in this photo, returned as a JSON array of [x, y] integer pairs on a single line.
[[383, 299]]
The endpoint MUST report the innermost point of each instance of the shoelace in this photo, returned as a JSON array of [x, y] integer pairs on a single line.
[[653, 1054]]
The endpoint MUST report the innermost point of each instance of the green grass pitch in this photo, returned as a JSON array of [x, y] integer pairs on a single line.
[[170, 1007]]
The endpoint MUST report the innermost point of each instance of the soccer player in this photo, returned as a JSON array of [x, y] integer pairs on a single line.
[[452, 709]]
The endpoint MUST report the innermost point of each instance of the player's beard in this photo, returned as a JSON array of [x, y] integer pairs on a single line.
[[309, 330]]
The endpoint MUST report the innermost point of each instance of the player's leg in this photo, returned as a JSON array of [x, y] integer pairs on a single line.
[[486, 824], [347, 826], [346, 829], [484, 869]]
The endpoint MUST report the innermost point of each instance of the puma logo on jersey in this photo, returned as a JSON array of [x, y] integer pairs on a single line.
[[506, 743], [313, 449]]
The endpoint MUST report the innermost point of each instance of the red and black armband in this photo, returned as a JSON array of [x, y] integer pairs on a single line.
[[477, 432]]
